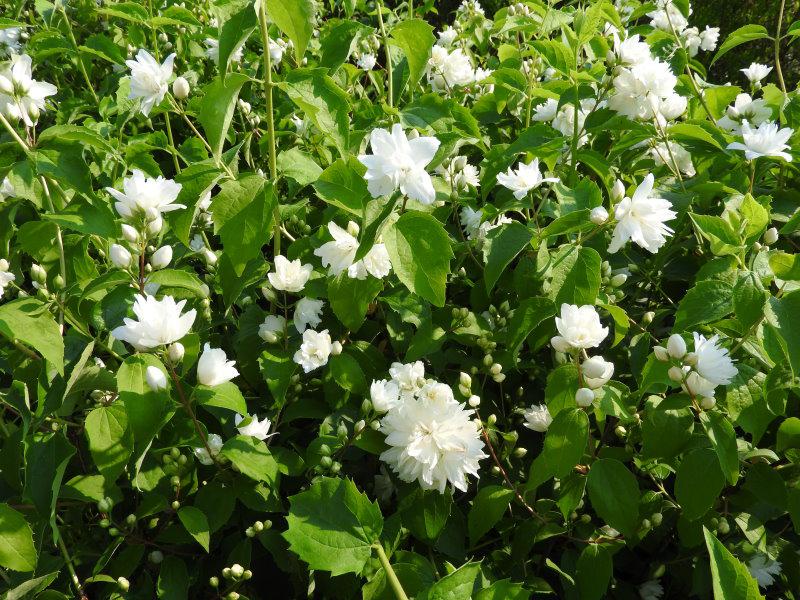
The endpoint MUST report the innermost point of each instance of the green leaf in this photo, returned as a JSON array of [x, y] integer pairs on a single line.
[[729, 578], [614, 494], [339, 41], [173, 579], [216, 109], [576, 276], [277, 368], [565, 442], [442, 115], [788, 434], [342, 185], [749, 300], [297, 165], [110, 439], [425, 513], [196, 524], [723, 438], [225, 395], [785, 266], [243, 216], [419, 248], [527, 316], [17, 551], [50, 454], [503, 589], [501, 247], [593, 572], [350, 298], [147, 410], [748, 33], [488, 507], [322, 101], [724, 241], [195, 180], [233, 34], [346, 371], [178, 279], [415, 38], [86, 218], [458, 585], [251, 457], [698, 482], [708, 301], [378, 214], [30, 322], [785, 311], [295, 18], [667, 426], [76, 133], [332, 526], [562, 384]]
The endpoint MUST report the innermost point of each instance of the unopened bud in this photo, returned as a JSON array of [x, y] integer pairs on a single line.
[[123, 584], [708, 403], [161, 257], [661, 353], [584, 397], [676, 346], [770, 236], [617, 191], [336, 348], [618, 279], [599, 215], [675, 374], [175, 352], [180, 88]]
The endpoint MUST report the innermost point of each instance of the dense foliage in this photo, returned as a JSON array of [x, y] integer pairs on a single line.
[[311, 298]]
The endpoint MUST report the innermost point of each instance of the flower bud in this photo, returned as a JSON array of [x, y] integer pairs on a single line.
[[594, 367], [648, 317], [465, 380], [770, 236], [708, 403], [120, 256], [492, 419], [175, 352], [156, 378], [496, 369], [675, 374], [661, 353], [154, 226], [33, 112], [123, 584], [130, 233], [599, 215], [209, 256], [161, 257], [213, 582], [618, 191], [180, 88], [618, 279], [584, 397], [676, 346], [237, 570], [336, 348], [38, 274], [352, 228], [488, 360], [690, 359]]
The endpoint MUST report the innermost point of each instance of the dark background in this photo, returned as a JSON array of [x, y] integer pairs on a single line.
[[728, 15]]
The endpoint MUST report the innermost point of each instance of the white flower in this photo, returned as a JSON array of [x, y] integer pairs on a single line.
[[767, 140], [21, 96], [276, 50], [584, 397], [524, 179], [161, 257], [145, 197], [175, 352], [630, 51], [160, 323], [696, 385], [764, 570], [255, 428], [713, 362], [214, 368], [272, 328], [579, 327], [538, 418], [671, 107], [6, 189], [546, 111], [149, 79], [301, 125], [674, 156], [596, 371], [641, 219], [377, 263], [5, 277], [338, 255], [399, 163], [447, 70], [366, 62], [289, 276], [156, 379], [651, 590], [446, 36], [214, 444], [471, 221], [314, 351], [9, 40], [667, 17], [307, 313], [384, 394], [409, 377], [433, 440], [640, 90], [745, 108], [120, 256], [756, 72], [212, 51], [709, 39]]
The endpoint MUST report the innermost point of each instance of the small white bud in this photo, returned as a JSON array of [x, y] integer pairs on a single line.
[[161, 257], [130, 233], [594, 367], [154, 226], [618, 279], [676, 374], [353, 228], [175, 352], [33, 112], [474, 401], [209, 256], [336, 348], [676, 346], [648, 317], [496, 369], [237, 570], [584, 397], [120, 256], [180, 88], [465, 380], [661, 353], [156, 378], [599, 215], [123, 584], [618, 191], [156, 557], [770, 236], [708, 403], [690, 359]]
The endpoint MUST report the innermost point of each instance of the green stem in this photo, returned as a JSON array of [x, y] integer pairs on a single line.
[[273, 164], [15, 135], [391, 576], [385, 38], [174, 150], [778, 69], [70, 567], [81, 66], [60, 243]]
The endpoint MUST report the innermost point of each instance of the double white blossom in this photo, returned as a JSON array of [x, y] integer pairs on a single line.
[[641, 219], [149, 79], [214, 368], [212, 51], [145, 197], [6, 277], [538, 418], [447, 70], [9, 40], [289, 275], [524, 179], [272, 328], [307, 313], [756, 72], [160, 322], [745, 108], [254, 428], [579, 328], [339, 255], [397, 162], [21, 96], [767, 140], [215, 444], [314, 351]]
